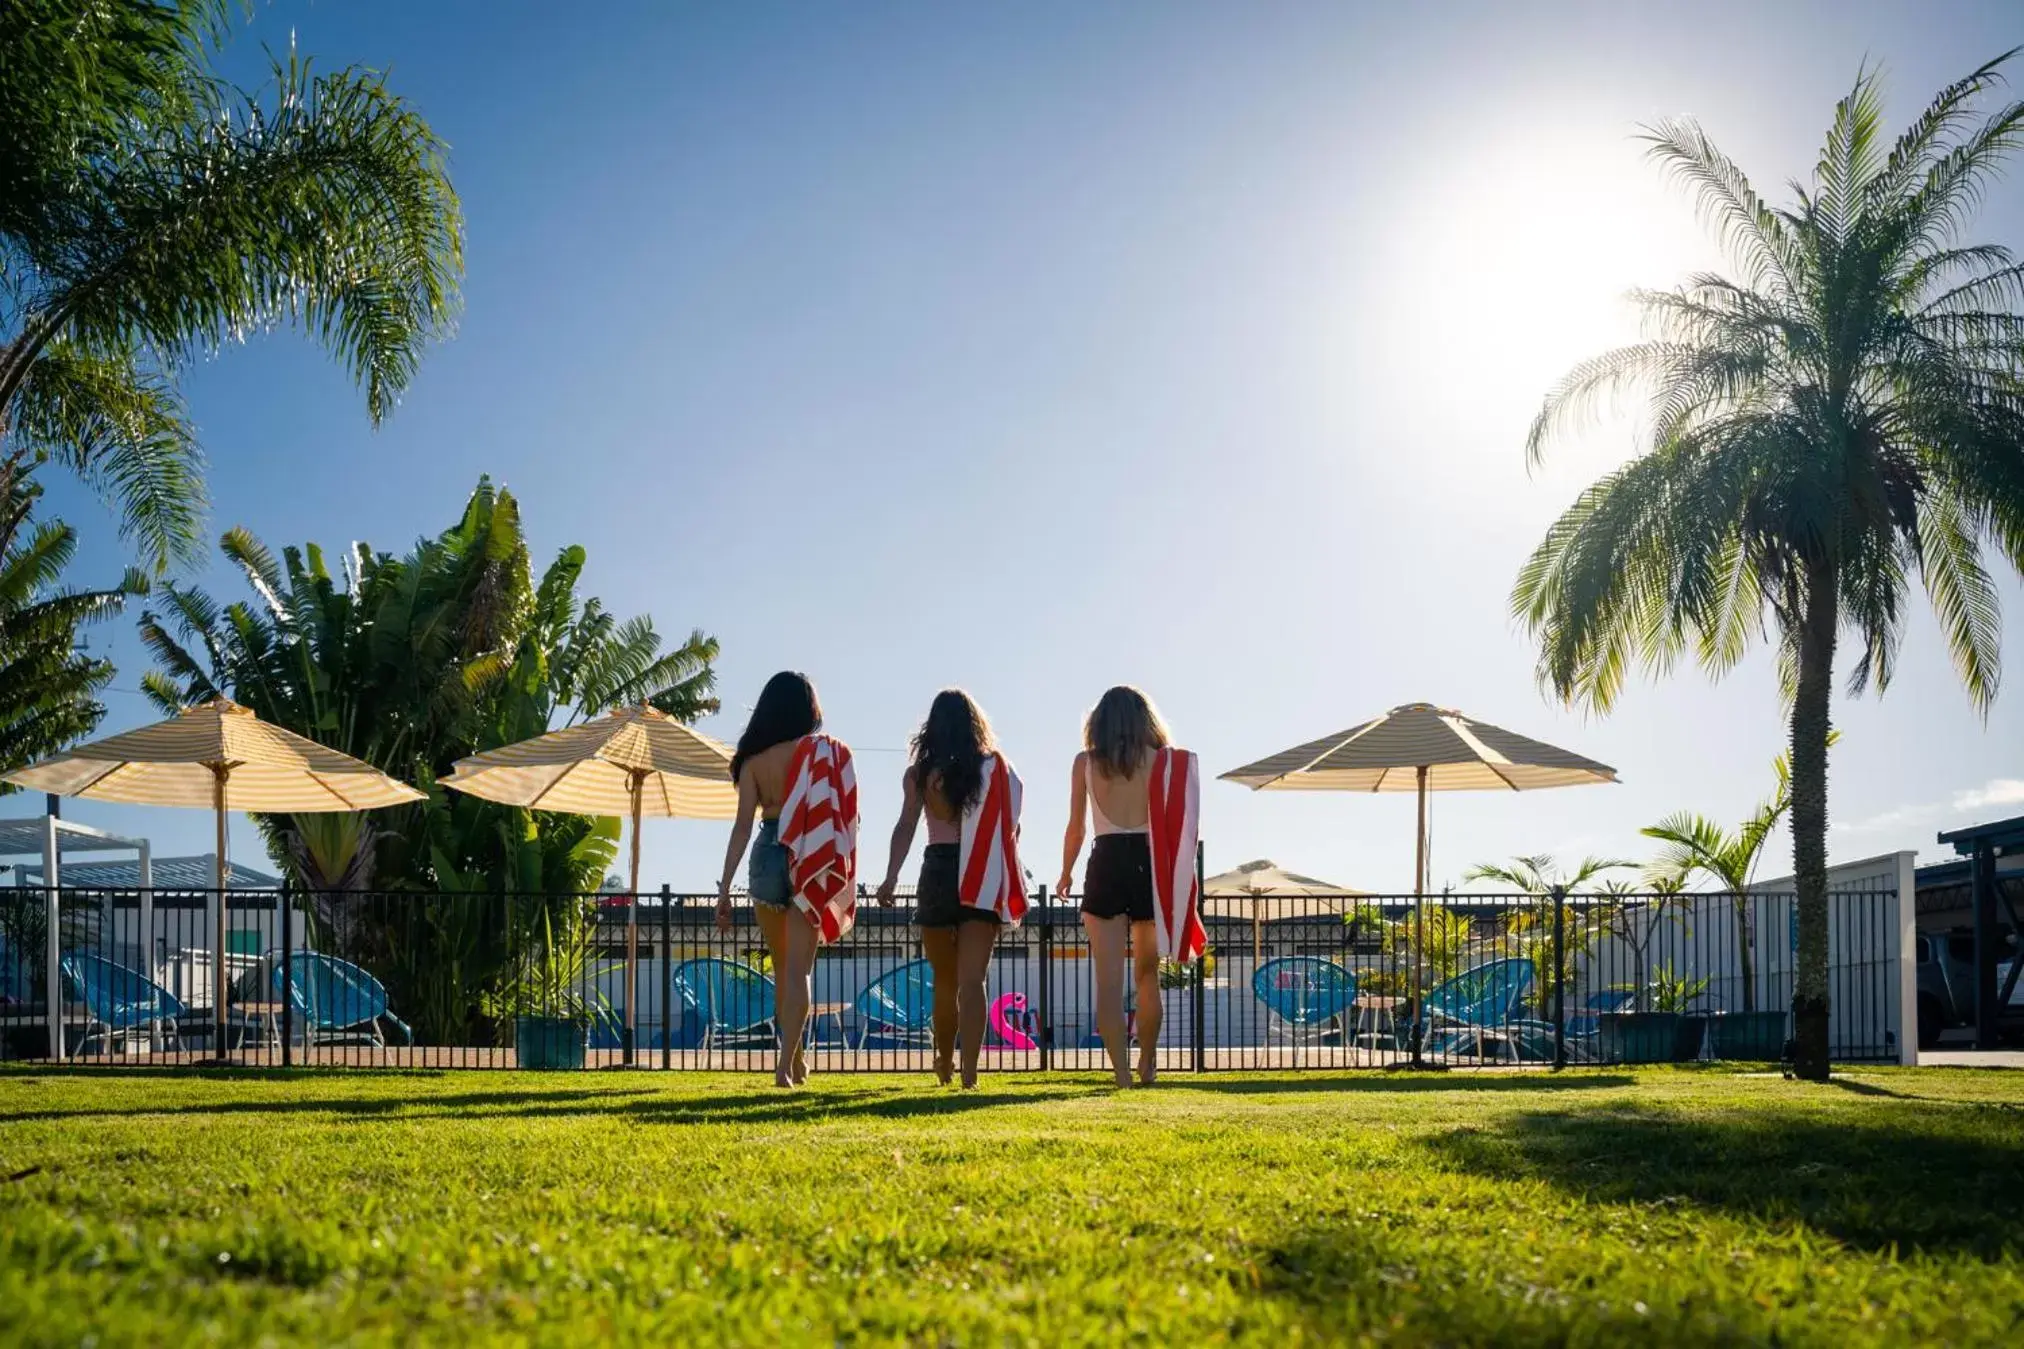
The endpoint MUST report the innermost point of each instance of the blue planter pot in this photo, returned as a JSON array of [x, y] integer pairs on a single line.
[[1637, 1037], [1752, 1036], [1693, 1032], [548, 1043]]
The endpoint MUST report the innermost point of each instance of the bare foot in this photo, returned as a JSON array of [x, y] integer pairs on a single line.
[[1123, 1077], [945, 1069], [1148, 1072], [969, 1079], [783, 1079], [800, 1070]]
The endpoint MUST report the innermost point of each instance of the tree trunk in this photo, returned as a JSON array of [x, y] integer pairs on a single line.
[[1745, 954], [1811, 718]]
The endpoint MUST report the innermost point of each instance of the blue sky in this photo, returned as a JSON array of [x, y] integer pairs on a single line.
[[1185, 345]]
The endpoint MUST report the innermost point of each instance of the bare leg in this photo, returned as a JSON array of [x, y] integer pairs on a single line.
[[773, 926], [974, 943], [1145, 951], [939, 944], [791, 996], [1106, 952]]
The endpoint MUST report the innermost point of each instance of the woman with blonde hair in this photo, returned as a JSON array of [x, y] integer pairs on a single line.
[[1116, 786]]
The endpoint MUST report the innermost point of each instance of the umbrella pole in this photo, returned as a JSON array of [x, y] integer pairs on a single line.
[[218, 775], [1420, 921], [632, 923]]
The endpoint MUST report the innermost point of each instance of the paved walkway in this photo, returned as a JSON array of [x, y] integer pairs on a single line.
[[1971, 1058]]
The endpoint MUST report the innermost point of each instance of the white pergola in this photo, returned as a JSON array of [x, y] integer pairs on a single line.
[[50, 838]]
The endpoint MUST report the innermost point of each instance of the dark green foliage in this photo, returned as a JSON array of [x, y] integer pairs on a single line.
[[49, 688], [150, 213]]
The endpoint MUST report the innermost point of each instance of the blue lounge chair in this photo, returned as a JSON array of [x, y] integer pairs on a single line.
[[335, 1001], [118, 1001], [899, 1004], [1531, 1039], [1472, 1014], [730, 1000], [1306, 993]]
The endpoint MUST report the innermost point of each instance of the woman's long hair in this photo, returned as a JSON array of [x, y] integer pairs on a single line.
[[787, 710], [1123, 728], [949, 749]]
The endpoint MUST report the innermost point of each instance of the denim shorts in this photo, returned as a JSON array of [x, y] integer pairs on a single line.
[[766, 876]]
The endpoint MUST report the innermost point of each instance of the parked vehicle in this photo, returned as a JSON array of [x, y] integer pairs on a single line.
[[1946, 983]]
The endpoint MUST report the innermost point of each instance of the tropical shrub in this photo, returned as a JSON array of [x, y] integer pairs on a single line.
[[412, 663]]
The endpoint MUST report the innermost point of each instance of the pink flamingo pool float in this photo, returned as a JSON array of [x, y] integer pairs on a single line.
[[1003, 1016]]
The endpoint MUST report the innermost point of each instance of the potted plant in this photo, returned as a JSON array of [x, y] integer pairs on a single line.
[[1671, 993], [1663, 1034], [546, 996]]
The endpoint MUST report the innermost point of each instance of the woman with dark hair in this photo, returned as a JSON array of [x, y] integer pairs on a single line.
[[787, 711], [1112, 782], [951, 779]]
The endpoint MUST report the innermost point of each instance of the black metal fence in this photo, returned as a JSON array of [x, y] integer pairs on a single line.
[[1324, 981]]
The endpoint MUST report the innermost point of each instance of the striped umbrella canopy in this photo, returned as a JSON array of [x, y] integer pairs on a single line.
[[1421, 748], [217, 755], [637, 761], [1245, 890]]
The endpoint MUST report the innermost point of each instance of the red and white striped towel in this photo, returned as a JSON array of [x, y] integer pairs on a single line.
[[818, 827], [988, 855], [1174, 797]]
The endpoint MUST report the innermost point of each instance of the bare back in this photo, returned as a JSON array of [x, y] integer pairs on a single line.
[[767, 771], [1124, 803]]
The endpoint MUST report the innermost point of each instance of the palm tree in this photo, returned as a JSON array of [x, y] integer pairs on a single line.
[[1540, 874], [1845, 414], [148, 213], [1697, 845], [411, 663], [48, 687]]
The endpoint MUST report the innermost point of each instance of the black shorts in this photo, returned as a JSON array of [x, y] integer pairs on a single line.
[[939, 896], [1119, 881]]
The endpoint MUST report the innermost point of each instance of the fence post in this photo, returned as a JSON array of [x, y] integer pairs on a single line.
[[287, 979], [667, 978], [1559, 977], [52, 944], [1045, 1009], [1201, 965], [1418, 1001]]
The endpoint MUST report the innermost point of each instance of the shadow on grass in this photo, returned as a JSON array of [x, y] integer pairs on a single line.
[[1935, 1180], [641, 1104], [1384, 1083]]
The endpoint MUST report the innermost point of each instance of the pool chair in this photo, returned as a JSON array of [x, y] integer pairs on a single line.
[[1307, 995], [1471, 1015], [118, 1002], [731, 1001], [337, 1002], [1530, 1039], [898, 1005]]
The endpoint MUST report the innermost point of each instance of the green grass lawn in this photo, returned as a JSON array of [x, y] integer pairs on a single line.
[[1679, 1206]]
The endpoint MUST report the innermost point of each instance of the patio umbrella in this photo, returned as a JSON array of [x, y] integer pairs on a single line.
[[217, 755], [1421, 748], [1257, 881], [637, 761]]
